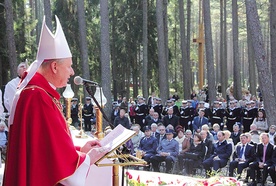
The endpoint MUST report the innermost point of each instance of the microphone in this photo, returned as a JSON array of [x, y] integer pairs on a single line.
[[79, 81]]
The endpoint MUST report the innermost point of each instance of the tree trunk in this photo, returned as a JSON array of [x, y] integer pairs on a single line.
[[224, 71], [262, 66], [183, 46], [114, 53], [222, 58], [166, 37], [145, 50], [273, 42], [237, 65], [105, 54], [48, 14], [163, 66], [10, 38], [83, 40], [209, 51], [189, 71], [251, 62]]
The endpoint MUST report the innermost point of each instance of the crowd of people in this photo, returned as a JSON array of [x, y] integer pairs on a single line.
[[198, 135]]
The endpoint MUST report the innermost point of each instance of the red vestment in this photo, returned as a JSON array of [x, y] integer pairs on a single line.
[[40, 148]]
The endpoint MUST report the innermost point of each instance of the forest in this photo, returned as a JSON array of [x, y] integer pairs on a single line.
[[135, 47]]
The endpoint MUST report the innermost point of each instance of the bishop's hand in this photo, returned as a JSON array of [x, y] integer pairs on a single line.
[[90, 145]]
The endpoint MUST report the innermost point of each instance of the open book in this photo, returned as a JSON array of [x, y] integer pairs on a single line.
[[117, 137]]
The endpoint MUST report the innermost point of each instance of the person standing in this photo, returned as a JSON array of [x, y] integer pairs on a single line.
[[39, 129], [87, 112], [10, 88], [75, 112], [141, 111]]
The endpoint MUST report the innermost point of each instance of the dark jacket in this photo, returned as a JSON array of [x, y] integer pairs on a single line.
[[249, 152], [223, 150], [123, 121]]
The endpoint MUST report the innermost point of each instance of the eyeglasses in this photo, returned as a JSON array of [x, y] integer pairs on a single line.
[[161, 129]]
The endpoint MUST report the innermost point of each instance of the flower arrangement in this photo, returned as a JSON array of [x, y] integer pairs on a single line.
[[181, 181]]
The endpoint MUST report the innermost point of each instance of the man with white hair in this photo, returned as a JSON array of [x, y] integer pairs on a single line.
[[38, 127], [10, 88]]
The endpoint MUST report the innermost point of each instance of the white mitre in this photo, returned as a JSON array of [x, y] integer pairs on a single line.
[[51, 46]]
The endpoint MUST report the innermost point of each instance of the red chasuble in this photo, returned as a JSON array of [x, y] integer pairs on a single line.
[[40, 149]]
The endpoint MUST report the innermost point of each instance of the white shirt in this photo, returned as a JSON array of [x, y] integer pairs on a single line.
[[10, 91]]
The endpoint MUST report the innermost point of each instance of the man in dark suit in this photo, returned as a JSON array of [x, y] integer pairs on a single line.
[[154, 131], [170, 119], [155, 119], [272, 169], [263, 159], [221, 155], [149, 117], [162, 133], [121, 119], [167, 151], [235, 135], [207, 143], [199, 121], [243, 155]]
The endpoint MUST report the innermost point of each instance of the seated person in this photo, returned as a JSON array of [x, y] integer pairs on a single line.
[[207, 143], [180, 137], [243, 155], [162, 133], [167, 151], [272, 134], [154, 119], [235, 135], [229, 140], [186, 144], [198, 151], [171, 128], [137, 137], [215, 130], [122, 119], [272, 169], [220, 157], [263, 159], [154, 131], [148, 146], [255, 135], [209, 134], [3, 136], [170, 118]]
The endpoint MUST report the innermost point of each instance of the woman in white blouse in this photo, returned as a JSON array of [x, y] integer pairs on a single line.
[[261, 122]]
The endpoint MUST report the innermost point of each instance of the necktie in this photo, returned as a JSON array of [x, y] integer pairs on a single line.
[[264, 153], [200, 120], [241, 152]]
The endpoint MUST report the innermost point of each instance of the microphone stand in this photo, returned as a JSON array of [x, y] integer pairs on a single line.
[[91, 93]]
